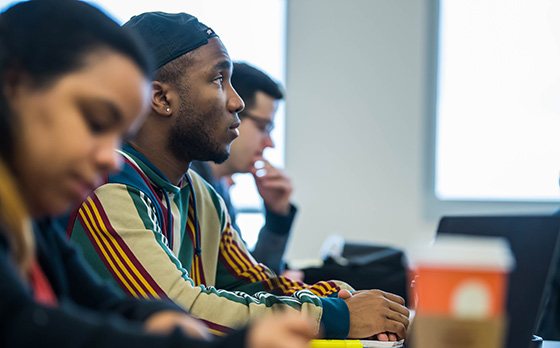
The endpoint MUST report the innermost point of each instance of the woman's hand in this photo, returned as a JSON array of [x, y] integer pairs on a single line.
[[285, 330], [165, 322]]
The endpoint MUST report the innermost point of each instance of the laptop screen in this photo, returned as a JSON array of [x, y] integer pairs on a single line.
[[533, 241]]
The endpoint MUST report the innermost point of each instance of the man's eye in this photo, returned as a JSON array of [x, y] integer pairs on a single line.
[[219, 80]]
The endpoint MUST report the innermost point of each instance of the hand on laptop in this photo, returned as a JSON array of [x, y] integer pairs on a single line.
[[376, 313], [385, 337]]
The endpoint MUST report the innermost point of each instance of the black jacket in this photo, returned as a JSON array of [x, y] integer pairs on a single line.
[[88, 314]]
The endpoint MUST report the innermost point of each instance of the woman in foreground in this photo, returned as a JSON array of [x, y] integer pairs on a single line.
[[73, 84]]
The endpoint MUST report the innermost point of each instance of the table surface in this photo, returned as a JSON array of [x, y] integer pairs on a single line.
[[551, 344]]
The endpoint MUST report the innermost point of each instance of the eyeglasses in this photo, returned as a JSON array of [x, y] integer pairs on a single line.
[[263, 124]]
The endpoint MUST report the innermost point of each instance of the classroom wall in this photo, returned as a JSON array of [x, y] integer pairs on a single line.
[[360, 99]]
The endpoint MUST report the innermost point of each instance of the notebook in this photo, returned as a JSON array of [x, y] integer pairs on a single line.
[[534, 243], [355, 344]]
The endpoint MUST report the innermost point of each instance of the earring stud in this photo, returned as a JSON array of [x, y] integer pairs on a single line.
[[168, 109]]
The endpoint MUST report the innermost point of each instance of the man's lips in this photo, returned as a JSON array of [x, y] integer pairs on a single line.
[[233, 129], [235, 125]]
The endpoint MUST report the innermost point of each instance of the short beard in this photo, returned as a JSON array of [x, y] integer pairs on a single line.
[[189, 139], [188, 145]]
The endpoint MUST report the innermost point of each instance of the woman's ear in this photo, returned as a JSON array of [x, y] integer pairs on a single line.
[[164, 97], [11, 80], [15, 86]]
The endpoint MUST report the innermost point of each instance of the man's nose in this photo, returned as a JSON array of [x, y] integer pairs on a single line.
[[267, 141]]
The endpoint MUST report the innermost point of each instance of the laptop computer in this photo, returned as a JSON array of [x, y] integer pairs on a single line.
[[534, 241]]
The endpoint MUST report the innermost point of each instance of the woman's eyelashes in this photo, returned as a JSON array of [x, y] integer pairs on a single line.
[[98, 118], [97, 123]]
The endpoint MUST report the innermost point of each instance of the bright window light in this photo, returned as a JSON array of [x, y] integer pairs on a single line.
[[498, 107]]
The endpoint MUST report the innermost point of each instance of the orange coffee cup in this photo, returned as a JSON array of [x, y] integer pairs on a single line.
[[462, 277]]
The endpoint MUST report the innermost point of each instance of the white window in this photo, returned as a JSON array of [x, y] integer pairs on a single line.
[[498, 106]]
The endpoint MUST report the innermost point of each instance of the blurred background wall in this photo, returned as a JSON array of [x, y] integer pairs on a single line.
[[360, 80]]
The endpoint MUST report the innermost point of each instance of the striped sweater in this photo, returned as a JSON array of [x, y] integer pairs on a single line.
[[138, 231]]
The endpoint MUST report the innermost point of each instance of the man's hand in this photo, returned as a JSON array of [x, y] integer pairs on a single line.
[[274, 187], [165, 322], [285, 330], [375, 312]]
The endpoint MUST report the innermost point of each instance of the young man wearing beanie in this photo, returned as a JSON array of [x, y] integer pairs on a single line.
[[261, 95], [157, 230]]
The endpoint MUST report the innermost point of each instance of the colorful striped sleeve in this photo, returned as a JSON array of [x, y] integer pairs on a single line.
[[237, 270], [249, 276], [118, 231]]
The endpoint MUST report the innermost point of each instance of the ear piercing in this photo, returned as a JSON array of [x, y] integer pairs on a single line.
[[168, 109]]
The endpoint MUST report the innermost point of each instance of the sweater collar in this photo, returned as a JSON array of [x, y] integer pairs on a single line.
[[151, 171]]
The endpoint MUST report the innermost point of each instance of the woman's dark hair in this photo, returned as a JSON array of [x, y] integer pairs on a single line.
[[45, 39]]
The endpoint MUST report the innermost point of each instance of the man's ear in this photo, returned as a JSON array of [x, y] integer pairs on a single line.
[[164, 98]]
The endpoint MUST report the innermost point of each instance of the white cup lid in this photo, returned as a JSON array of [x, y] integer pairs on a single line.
[[465, 251]]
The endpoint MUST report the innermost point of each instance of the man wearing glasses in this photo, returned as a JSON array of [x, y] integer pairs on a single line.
[[261, 96]]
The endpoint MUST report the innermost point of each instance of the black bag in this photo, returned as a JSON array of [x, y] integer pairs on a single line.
[[365, 267]]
